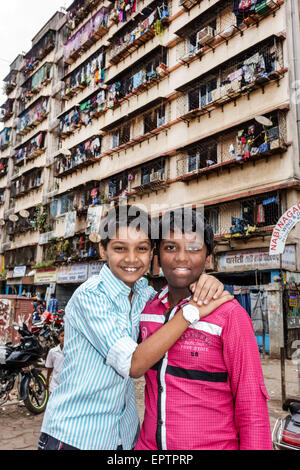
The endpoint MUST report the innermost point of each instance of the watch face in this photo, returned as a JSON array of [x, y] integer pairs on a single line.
[[191, 313]]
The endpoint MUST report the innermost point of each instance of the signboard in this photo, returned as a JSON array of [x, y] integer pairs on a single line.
[[95, 268], [93, 219], [70, 224], [46, 237], [256, 259], [74, 273], [45, 276], [19, 271], [282, 229]]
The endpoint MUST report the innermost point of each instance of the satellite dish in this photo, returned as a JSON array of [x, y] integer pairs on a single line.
[[264, 121], [65, 151], [13, 218], [2, 222], [25, 214], [95, 238]]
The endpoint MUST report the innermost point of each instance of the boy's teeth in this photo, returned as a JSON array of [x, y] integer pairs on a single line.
[[130, 269]]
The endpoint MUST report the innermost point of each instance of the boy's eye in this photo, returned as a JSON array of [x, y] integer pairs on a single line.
[[193, 248], [119, 248], [143, 248], [170, 247]]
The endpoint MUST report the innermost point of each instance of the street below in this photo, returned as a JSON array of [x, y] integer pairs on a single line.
[[20, 430]]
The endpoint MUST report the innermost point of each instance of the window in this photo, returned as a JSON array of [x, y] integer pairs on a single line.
[[262, 211], [154, 119], [202, 156], [121, 136], [202, 95], [153, 171], [212, 216], [61, 206], [117, 185]]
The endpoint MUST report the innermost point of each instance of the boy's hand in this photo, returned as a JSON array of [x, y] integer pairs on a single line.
[[208, 309], [207, 288]]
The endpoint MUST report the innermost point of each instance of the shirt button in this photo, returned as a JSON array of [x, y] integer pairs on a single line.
[[160, 422], [160, 389]]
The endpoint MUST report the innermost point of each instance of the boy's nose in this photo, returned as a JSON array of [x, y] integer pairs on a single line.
[[181, 255], [131, 257]]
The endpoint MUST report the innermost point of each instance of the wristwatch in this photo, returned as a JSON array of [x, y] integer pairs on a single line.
[[190, 313]]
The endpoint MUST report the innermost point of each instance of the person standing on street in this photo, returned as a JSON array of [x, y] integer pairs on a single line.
[[54, 363], [53, 304]]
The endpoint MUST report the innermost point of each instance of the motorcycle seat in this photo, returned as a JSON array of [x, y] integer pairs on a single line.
[[295, 408]]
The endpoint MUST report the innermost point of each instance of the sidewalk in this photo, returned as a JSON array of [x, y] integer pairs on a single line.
[[19, 430]]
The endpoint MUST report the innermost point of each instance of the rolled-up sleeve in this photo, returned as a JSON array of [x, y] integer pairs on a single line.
[[97, 321]]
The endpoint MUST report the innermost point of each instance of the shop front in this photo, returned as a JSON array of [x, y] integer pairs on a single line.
[[71, 276], [246, 274], [45, 282], [20, 282]]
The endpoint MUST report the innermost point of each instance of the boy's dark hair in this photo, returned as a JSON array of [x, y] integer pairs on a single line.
[[124, 216], [188, 220]]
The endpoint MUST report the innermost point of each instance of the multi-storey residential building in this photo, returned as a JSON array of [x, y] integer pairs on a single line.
[[165, 103]]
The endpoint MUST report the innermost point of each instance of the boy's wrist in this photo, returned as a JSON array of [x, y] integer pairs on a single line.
[[190, 313]]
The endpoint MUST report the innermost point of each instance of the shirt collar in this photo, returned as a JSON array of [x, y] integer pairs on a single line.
[[164, 297], [114, 286]]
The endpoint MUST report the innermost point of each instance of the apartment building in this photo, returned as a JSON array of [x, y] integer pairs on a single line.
[[164, 103]]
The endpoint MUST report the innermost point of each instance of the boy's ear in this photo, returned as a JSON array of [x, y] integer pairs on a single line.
[[102, 252], [208, 263]]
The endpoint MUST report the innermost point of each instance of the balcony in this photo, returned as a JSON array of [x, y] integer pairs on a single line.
[[38, 52], [226, 20], [78, 11], [30, 180], [5, 135], [33, 116], [145, 30], [246, 144], [33, 85], [34, 148], [83, 76], [6, 110], [79, 157], [240, 76], [81, 41], [10, 82]]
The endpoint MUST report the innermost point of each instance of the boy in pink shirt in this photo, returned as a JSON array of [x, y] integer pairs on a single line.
[[208, 391]]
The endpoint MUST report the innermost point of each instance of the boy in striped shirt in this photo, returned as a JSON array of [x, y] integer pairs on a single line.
[[94, 406]]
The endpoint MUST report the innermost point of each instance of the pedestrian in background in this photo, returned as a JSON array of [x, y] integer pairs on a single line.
[[54, 363], [53, 304]]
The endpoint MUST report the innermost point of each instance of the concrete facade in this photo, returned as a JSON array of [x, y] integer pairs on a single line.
[[157, 103]]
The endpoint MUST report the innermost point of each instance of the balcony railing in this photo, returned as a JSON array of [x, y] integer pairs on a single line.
[[5, 136], [239, 76], [93, 30], [6, 110], [38, 52], [80, 156], [26, 183], [36, 82], [249, 142], [78, 11], [32, 149], [90, 74], [219, 25], [10, 82], [32, 117], [144, 31]]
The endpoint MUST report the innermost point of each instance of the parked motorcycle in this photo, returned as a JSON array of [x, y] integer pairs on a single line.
[[20, 363], [47, 330], [286, 432]]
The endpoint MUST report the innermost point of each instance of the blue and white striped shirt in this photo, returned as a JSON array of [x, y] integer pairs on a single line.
[[94, 406]]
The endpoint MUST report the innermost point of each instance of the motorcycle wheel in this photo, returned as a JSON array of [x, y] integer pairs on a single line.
[[37, 395]]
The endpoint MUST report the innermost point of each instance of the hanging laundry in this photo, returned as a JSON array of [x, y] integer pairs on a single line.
[[260, 216]]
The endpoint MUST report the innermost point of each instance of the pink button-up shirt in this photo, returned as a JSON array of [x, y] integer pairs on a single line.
[[208, 390]]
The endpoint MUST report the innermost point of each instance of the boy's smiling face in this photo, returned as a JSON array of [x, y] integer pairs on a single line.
[[182, 258], [128, 254]]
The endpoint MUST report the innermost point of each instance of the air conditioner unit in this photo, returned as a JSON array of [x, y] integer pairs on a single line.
[[157, 176], [206, 35]]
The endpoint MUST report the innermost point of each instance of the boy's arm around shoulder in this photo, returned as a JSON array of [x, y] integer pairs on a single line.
[[241, 357]]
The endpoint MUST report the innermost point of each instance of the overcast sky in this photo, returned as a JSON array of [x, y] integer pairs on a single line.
[[20, 21]]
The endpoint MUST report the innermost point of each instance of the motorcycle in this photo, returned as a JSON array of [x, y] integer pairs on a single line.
[[20, 363], [286, 431], [47, 330]]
